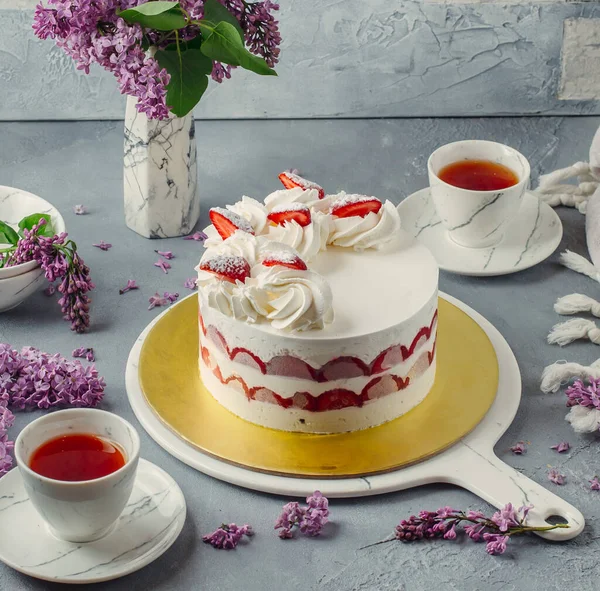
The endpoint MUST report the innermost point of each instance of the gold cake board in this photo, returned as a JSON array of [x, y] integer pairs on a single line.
[[464, 390]]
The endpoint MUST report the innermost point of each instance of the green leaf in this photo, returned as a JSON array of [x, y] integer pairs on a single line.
[[215, 12], [7, 234], [160, 16], [223, 44], [31, 220], [188, 70]]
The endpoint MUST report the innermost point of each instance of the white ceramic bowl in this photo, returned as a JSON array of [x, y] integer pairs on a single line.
[[16, 204], [13, 290]]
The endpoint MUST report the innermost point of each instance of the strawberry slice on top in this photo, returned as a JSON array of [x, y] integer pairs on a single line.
[[291, 181], [288, 212], [227, 222], [227, 267], [284, 259], [348, 206]]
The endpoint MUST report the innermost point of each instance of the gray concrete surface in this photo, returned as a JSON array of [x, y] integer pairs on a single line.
[[352, 58], [70, 163]]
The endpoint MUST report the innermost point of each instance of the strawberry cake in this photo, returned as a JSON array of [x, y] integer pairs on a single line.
[[318, 313]]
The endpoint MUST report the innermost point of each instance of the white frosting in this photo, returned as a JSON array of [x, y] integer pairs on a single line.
[[309, 197], [381, 298], [375, 230], [307, 240], [238, 244]]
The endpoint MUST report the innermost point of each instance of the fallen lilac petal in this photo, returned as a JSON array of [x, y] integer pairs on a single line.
[[556, 477], [80, 209], [84, 353], [191, 283], [131, 284], [167, 254], [595, 483], [197, 236], [518, 448], [50, 290], [156, 301], [103, 245], [163, 265], [171, 297], [227, 536], [562, 446]]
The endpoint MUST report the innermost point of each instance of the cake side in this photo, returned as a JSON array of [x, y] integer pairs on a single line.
[[267, 413]]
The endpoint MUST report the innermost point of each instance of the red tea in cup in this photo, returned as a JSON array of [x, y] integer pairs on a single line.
[[478, 175], [76, 457]]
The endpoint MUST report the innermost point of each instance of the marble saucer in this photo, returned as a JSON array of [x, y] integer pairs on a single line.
[[149, 524], [533, 236]]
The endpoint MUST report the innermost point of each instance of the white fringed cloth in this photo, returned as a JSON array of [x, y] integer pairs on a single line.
[[554, 190]]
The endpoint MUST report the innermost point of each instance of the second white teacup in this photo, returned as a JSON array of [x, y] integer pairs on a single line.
[[477, 219], [79, 511]]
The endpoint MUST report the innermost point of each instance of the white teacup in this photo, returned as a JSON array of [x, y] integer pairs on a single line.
[[477, 219], [86, 510]]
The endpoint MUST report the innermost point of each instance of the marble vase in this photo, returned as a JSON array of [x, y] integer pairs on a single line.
[[160, 174]]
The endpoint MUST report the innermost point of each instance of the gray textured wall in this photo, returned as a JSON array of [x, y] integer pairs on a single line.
[[354, 58]]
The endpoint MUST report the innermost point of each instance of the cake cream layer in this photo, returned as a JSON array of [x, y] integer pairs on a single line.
[[287, 387], [381, 298], [373, 413]]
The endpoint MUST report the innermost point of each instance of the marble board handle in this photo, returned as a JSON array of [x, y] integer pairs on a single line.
[[482, 473]]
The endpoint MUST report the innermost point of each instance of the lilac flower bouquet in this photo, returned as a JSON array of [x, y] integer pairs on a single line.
[[163, 52]]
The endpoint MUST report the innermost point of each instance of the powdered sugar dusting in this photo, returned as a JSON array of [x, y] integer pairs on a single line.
[[282, 256], [290, 207], [351, 199], [237, 220], [231, 266], [303, 183]]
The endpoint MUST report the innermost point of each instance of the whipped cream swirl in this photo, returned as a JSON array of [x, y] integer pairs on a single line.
[[290, 299], [308, 197], [308, 240], [240, 243], [374, 230], [297, 300]]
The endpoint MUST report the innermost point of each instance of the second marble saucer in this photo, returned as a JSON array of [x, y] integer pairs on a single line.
[[149, 524], [532, 237]]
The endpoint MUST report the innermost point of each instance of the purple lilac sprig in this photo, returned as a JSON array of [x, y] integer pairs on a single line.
[[6, 446], [495, 530], [580, 394], [310, 519], [92, 32], [59, 259], [31, 379], [227, 536]]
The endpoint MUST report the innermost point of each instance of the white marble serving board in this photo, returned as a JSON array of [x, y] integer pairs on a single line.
[[471, 463], [148, 526], [532, 236]]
